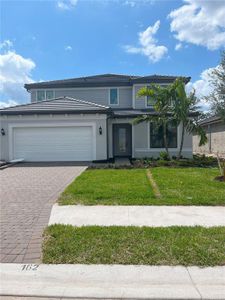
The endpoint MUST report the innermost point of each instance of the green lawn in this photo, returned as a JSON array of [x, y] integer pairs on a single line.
[[189, 186], [109, 187], [64, 244], [178, 186]]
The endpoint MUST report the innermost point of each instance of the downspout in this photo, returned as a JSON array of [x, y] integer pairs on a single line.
[[107, 137], [107, 132]]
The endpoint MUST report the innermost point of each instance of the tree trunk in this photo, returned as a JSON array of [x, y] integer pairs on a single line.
[[165, 140], [181, 142]]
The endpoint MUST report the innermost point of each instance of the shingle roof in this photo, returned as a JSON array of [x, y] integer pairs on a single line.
[[209, 120], [103, 80], [132, 112], [118, 113], [159, 79], [58, 105]]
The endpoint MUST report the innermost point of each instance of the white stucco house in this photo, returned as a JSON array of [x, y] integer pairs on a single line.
[[86, 119]]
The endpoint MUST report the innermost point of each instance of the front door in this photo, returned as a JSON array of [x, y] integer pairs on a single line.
[[122, 139]]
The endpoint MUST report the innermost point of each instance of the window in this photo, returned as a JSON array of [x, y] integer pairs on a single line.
[[156, 135], [45, 95], [150, 101], [40, 95], [113, 100], [49, 95]]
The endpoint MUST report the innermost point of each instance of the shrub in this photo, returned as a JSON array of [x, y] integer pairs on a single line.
[[164, 156]]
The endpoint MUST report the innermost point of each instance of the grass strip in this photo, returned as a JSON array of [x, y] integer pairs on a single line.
[[155, 187], [65, 244]]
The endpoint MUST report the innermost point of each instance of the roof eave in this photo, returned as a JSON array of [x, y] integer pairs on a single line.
[[31, 86], [55, 112]]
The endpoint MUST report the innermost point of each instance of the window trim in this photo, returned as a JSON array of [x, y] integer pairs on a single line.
[[146, 101], [157, 148], [118, 97], [45, 90]]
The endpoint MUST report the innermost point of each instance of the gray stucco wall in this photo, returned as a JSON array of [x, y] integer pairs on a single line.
[[141, 136], [35, 120], [141, 140], [96, 95], [216, 140]]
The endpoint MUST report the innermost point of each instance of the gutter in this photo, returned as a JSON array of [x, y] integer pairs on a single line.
[[56, 112]]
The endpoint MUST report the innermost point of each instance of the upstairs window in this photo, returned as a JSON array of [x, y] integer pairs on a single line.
[[150, 101], [40, 95], [49, 94], [45, 95], [113, 97], [156, 135]]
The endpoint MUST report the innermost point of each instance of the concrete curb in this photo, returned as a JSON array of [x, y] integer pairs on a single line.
[[112, 282], [152, 216]]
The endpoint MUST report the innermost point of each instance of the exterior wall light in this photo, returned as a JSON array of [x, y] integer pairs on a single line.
[[100, 130], [2, 131]]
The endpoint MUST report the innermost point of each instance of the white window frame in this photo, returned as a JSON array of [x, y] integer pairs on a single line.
[[118, 97], [45, 90]]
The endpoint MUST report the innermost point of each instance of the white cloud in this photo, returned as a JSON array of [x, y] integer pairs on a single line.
[[202, 86], [134, 3], [200, 23], [178, 46], [6, 45], [148, 44], [7, 103], [15, 70], [66, 4], [68, 48]]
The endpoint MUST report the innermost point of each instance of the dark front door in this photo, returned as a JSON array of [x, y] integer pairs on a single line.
[[122, 139]]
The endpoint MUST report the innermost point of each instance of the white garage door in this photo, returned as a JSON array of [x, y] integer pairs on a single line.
[[53, 143]]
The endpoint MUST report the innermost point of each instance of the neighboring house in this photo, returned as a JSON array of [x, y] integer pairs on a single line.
[[85, 119], [215, 130]]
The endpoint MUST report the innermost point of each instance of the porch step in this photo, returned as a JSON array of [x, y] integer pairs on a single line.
[[122, 161]]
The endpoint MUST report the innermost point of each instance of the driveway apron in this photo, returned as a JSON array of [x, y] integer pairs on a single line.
[[27, 193]]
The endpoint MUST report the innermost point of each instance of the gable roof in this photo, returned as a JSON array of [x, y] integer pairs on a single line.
[[104, 80], [58, 105]]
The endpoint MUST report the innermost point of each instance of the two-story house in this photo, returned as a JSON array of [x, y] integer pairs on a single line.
[[85, 119]]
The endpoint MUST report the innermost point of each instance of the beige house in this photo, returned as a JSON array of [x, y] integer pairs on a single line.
[[215, 130]]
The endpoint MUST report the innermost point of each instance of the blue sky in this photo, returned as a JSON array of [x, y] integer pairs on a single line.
[[47, 40]]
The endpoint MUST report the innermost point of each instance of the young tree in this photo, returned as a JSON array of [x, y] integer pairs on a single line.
[[217, 97], [162, 106], [186, 113]]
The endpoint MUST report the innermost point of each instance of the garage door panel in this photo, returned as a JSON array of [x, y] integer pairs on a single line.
[[53, 143]]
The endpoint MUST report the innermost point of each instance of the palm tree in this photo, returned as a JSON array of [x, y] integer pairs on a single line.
[[173, 104], [186, 113], [162, 106]]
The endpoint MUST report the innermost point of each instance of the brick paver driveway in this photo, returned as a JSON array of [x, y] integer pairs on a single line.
[[27, 192]]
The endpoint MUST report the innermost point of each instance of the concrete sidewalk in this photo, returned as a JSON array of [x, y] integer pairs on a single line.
[[152, 216], [112, 281]]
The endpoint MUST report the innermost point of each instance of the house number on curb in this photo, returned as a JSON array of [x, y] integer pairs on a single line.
[[30, 267]]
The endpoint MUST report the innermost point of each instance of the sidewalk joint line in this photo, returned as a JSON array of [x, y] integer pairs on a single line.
[[194, 283]]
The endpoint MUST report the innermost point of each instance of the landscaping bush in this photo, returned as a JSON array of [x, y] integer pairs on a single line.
[[164, 155], [197, 161], [146, 162]]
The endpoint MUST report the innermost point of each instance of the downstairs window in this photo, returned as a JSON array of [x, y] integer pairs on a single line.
[[156, 135]]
